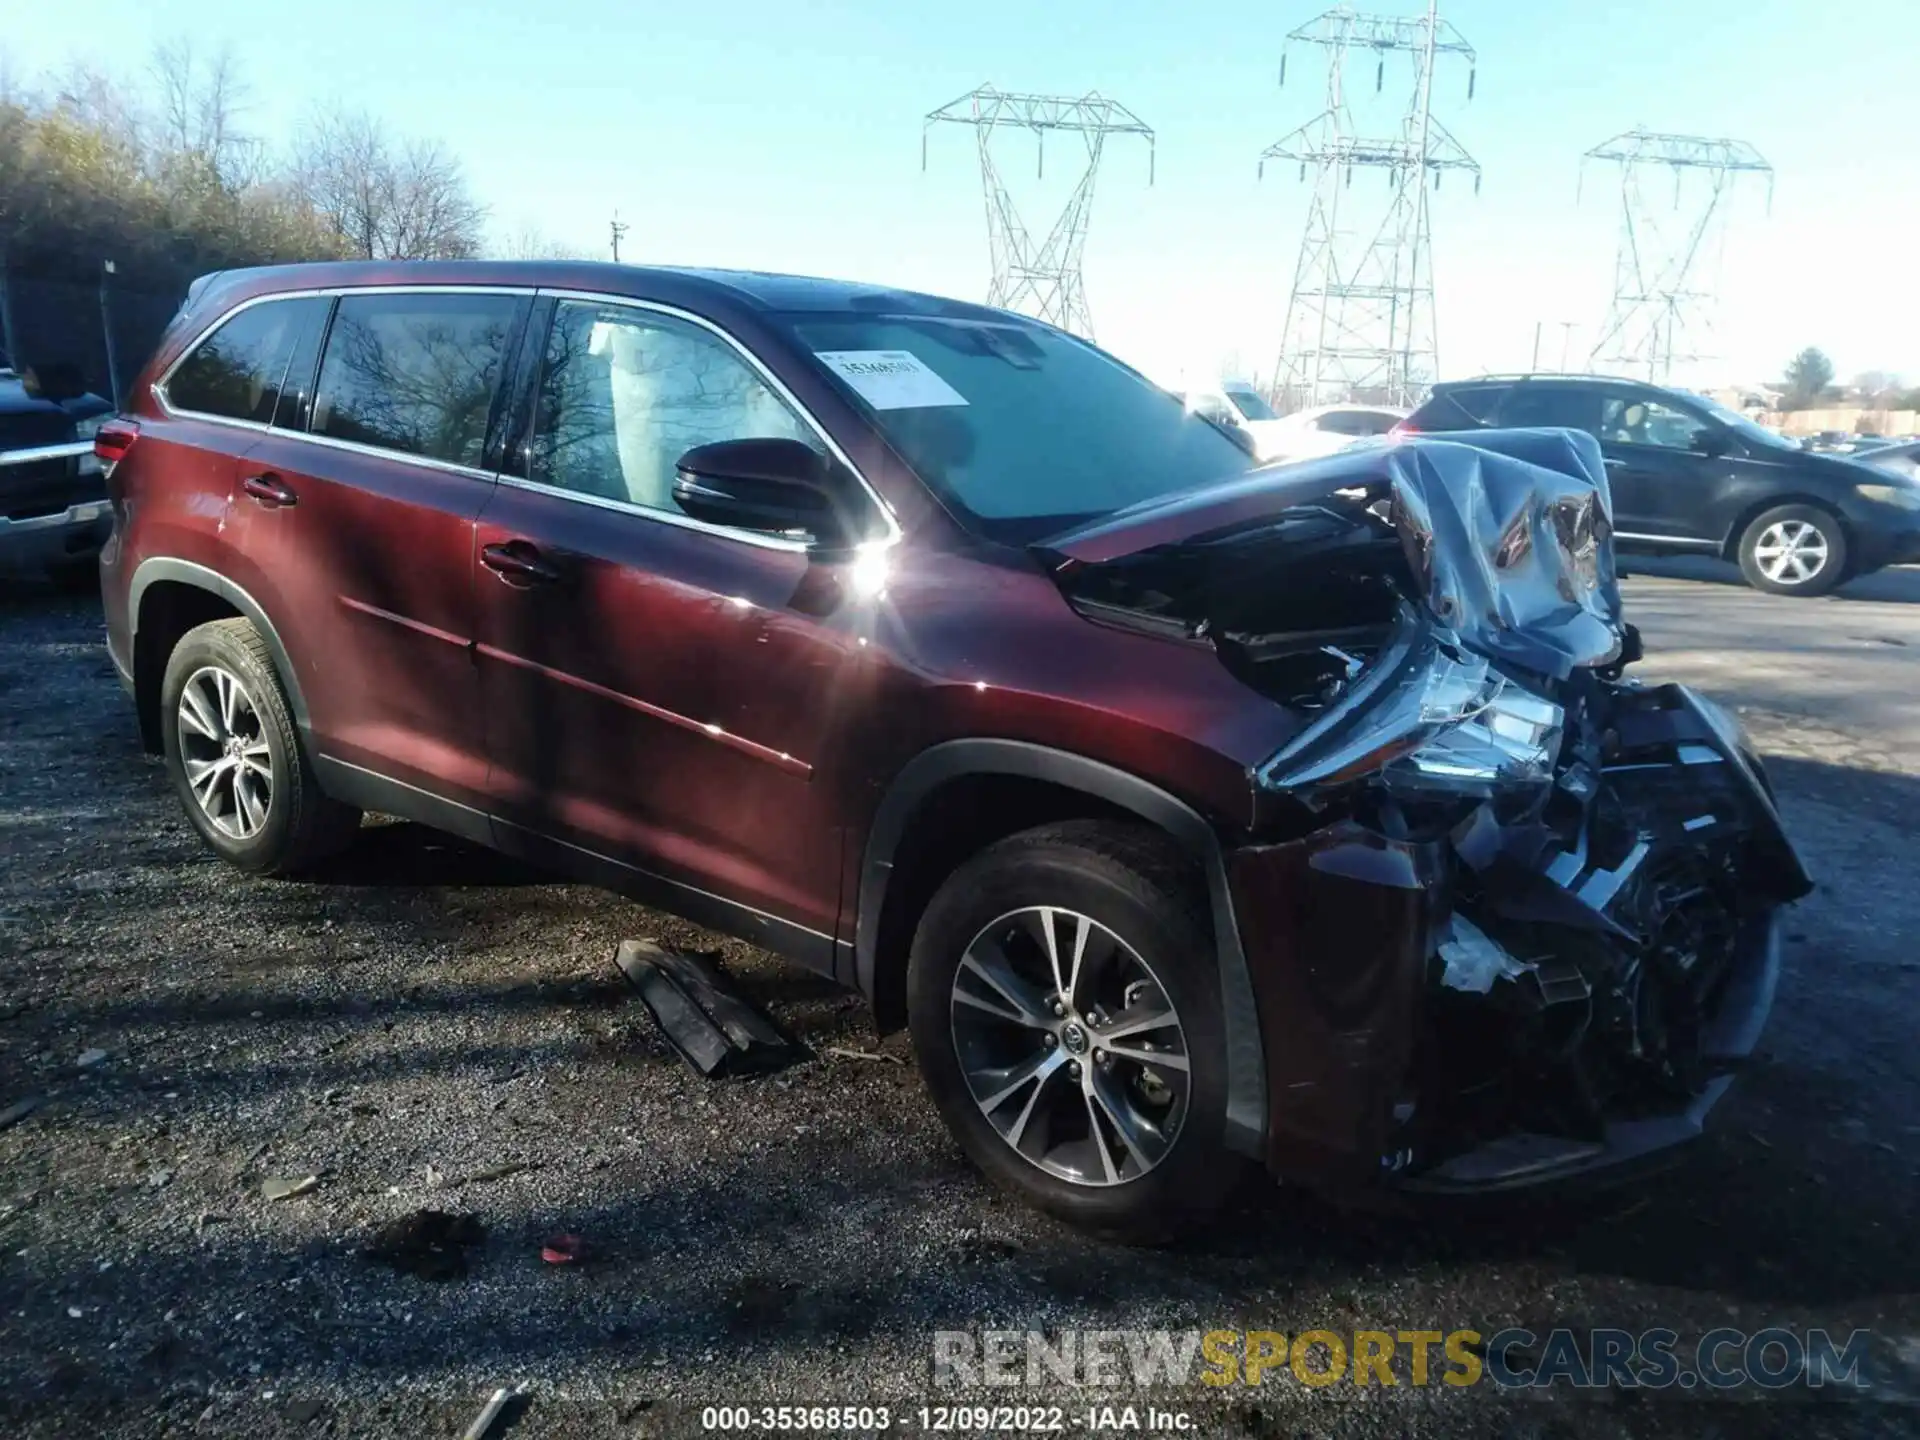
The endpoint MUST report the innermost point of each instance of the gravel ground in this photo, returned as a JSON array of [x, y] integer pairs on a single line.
[[424, 1014]]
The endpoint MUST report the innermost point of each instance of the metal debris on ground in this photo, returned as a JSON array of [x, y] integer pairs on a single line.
[[285, 1187], [843, 1053], [493, 1417], [428, 1243], [563, 1250], [20, 1110], [87, 1059], [691, 999]]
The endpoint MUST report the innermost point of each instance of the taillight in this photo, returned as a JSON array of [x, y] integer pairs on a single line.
[[112, 441]]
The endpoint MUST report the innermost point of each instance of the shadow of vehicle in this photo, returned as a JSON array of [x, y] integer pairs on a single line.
[[1898, 584], [399, 854]]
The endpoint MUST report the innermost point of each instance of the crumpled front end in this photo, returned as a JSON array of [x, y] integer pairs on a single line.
[[1510, 915]]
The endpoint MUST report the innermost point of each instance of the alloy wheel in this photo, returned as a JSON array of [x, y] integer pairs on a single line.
[[224, 752], [1791, 552], [1070, 1046]]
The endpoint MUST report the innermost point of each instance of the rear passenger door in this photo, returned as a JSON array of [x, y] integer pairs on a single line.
[[363, 515]]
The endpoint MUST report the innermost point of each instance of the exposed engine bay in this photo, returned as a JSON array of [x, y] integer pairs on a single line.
[[1598, 855]]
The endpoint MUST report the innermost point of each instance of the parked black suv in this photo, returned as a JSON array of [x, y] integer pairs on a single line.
[[1690, 475], [53, 501]]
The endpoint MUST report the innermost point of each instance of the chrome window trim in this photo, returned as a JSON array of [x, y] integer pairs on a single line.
[[330, 292], [594, 297], [773, 383], [627, 507]]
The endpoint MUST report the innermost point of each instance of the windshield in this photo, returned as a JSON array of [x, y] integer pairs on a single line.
[[1251, 405], [1023, 430], [1745, 428]]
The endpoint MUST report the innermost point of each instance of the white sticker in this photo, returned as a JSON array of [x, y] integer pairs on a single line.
[[891, 379]]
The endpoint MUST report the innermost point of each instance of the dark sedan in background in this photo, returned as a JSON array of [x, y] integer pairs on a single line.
[[1687, 475]]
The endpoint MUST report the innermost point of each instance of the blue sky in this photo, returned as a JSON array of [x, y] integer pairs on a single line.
[[785, 134]]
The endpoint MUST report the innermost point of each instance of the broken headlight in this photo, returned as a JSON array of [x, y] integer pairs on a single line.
[[1427, 716]]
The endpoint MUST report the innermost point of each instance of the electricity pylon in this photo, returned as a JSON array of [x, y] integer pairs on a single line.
[[1360, 321], [1667, 268], [1042, 280]]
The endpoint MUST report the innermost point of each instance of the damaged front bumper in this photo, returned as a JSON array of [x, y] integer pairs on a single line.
[[1522, 1158], [1508, 916], [1528, 994]]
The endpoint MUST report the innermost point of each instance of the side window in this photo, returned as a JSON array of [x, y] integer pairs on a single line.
[[1630, 421], [237, 371], [414, 373], [625, 393], [1552, 406]]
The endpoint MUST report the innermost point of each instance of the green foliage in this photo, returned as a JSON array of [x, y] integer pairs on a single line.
[[156, 179], [1808, 376]]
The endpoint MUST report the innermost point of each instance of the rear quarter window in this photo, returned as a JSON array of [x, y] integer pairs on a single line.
[[237, 372]]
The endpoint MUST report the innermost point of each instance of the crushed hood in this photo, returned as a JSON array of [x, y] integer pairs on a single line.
[[1507, 539]]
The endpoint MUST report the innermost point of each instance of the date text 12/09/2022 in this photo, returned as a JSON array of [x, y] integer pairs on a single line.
[[944, 1419]]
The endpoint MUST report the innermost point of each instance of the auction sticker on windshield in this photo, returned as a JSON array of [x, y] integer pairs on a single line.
[[890, 379]]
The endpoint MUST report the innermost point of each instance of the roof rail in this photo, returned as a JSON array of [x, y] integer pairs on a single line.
[[1545, 375]]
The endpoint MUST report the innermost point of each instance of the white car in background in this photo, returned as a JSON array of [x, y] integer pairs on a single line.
[[1303, 435]]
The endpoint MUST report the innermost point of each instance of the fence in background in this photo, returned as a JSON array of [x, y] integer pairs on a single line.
[[107, 329]]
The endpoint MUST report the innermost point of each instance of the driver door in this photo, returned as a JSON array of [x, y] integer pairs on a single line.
[[659, 693], [1663, 480]]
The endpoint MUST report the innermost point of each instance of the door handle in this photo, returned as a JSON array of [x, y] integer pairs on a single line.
[[517, 562], [269, 490], [1614, 462]]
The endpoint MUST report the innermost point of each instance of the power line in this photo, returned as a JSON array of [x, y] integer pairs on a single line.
[[1043, 280]]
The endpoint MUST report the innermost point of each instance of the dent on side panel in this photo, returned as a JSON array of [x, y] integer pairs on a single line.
[[1337, 927]]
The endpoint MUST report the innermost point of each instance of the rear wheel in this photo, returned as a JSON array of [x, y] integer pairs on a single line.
[[1064, 1010], [1794, 550], [234, 754]]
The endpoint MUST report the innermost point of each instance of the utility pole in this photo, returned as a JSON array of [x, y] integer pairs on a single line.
[[1665, 272], [1043, 280], [617, 230], [1360, 317], [106, 332]]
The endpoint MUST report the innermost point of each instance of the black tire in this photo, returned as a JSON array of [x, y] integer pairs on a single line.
[[1756, 557], [297, 825], [1134, 883]]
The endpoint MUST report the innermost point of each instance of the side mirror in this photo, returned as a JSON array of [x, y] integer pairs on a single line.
[[1713, 442], [765, 484], [58, 382]]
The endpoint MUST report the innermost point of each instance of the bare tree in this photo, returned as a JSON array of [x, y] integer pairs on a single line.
[[1875, 384], [201, 103], [530, 242], [389, 201]]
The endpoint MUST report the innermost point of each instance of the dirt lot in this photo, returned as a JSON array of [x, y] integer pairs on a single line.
[[424, 1015]]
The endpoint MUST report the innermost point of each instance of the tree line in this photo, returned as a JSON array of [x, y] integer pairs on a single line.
[[162, 178], [1808, 385]]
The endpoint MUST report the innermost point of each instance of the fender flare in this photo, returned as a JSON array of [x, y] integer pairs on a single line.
[[186, 572], [939, 764]]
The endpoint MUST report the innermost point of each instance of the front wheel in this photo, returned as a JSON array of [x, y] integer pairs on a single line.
[[1794, 550], [1065, 1012]]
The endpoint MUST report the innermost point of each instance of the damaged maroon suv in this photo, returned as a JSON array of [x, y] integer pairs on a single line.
[[1183, 811]]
